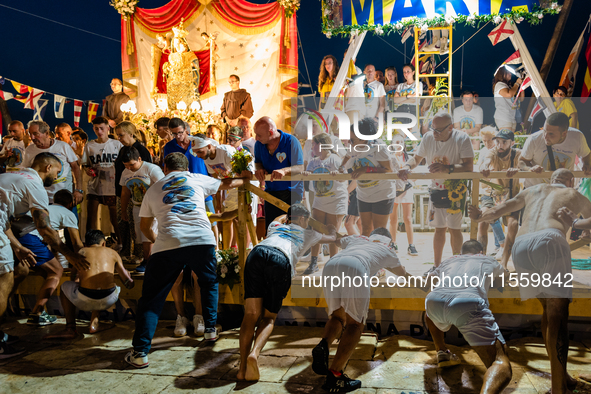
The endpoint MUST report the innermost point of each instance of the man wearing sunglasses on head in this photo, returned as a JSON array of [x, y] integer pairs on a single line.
[[446, 150]]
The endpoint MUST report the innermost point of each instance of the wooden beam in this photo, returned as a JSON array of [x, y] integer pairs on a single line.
[[475, 200], [579, 244]]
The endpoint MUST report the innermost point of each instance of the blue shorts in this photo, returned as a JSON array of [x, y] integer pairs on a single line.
[[37, 246], [210, 208]]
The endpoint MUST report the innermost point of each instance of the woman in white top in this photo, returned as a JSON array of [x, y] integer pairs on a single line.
[[406, 199], [405, 94], [505, 104], [390, 87], [331, 197]]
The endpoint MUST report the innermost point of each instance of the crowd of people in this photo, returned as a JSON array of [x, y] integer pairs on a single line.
[[168, 202]]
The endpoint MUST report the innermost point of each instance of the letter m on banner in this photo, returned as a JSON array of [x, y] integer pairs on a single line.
[[361, 10]]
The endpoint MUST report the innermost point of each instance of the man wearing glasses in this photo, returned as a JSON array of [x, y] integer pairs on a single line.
[[236, 103], [13, 151], [446, 150]]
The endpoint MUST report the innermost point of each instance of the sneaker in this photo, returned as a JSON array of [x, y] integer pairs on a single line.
[[7, 351], [429, 271], [396, 247], [313, 267], [137, 359], [499, 255], [180, 329], [199, 325], [9, 339], [320, 358], [325, 250], [447, 359], [494, 252], [340, 384], [43, 319], [141, 269], [211, 334], [307, 256], [412, 250]]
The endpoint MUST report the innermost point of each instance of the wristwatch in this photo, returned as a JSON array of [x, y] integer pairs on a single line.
[[574, 222], [79, 191], [451, 168]]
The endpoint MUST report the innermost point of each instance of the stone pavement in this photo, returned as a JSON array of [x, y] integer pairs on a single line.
[[398, 364]]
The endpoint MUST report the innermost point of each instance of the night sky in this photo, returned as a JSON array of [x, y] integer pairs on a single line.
[[80, 64]]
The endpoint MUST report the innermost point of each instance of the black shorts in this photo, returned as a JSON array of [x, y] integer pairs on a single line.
[[383, 207], [110, 201], [267, 275], [353, 209]]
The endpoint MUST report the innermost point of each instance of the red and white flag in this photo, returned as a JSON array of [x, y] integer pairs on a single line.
[[34, 96], [501, 32], [524, 85], [514, 58], [77, 110], [536, 110], [407, 33], [5, 95]]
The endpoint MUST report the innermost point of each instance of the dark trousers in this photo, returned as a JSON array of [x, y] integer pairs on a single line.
[[162, 269], [271, 211]]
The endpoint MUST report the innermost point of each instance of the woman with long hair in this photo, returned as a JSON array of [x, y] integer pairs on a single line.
[[505, 105], [390, 87], [406, 92], [329, 68]]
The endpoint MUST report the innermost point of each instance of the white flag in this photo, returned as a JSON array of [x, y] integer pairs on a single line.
[[58, 105]]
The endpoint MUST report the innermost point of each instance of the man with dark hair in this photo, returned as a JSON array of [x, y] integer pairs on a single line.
[[466, 307], [112, 108], [348, 304], [99, 160], [236, 103], [13, 151], [541, 250], [468, 118], [135, 181], [20, 192], [80, 138], [566, 106], [95, 289], [185, 241], [269, 269], [164, 136], [556, 146], [279, 154], [42, 142]]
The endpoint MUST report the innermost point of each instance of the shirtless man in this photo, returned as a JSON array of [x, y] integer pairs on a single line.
[[96, 289], [541, 250]]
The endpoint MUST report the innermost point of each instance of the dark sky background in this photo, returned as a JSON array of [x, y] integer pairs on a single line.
[[42, 52]]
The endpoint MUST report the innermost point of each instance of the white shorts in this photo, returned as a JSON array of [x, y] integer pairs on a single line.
[[440, 218], [470, 315], [506, 123], [84, 303], [405, 198], [541, 253], [139, 236], [353, 299], [6, 259]]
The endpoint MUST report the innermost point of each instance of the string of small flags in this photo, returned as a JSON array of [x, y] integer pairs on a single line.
[[32, 99]]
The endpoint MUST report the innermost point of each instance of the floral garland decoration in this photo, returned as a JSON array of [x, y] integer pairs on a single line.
[[228, 267], [456, 192], [289, 7], [333, 25], [124, 7]]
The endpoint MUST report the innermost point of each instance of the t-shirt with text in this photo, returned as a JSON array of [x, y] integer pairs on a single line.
[[101, 157]]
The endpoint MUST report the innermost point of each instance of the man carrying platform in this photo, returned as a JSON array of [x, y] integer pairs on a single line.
[[361, 257], [466, 307], [542, 254]]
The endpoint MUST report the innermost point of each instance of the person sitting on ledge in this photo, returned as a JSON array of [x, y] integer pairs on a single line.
[[96, 290]]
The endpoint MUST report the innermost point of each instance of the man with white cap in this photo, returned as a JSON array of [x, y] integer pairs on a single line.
[[348, 304]]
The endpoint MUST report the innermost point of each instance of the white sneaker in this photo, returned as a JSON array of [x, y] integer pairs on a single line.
[[494, 252], [180, 329], [499, 255], [447, 359], [137, 359], [199, 325]]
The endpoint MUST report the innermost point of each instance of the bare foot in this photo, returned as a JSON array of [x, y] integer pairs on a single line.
[[240, 374], [66, 334], [94, 328], [252, 369]]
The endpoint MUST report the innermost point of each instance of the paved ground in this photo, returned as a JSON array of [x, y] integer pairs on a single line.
[[399, 364]]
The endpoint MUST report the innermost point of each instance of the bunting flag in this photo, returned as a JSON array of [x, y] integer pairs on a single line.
[[406, 34], [20, 88], [58, 106], [568, 78], [514, 58], [77, 110], [5, 95], [583, 74], [501, 32], [33, 98], [524, 85], [92, 108], [40, 107], [20, 98], [538, 109]]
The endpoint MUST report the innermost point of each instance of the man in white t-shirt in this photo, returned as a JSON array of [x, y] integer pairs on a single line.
[[63, 132], [466, 307], [136, 179], [42, 142], [566, 145], [20, 192], [375, 95], [185, 240], [13, 151], [446, 150], [99, 163], [348, 304], [267, 279], [468, 118]]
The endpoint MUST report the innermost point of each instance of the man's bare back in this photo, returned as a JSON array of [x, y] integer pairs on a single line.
[[103, 263]]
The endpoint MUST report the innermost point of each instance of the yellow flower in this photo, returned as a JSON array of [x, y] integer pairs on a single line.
[[453, 211], [461, 189], [454, 196]]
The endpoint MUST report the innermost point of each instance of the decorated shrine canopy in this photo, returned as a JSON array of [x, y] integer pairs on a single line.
[[342, 16], [256, 42]]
